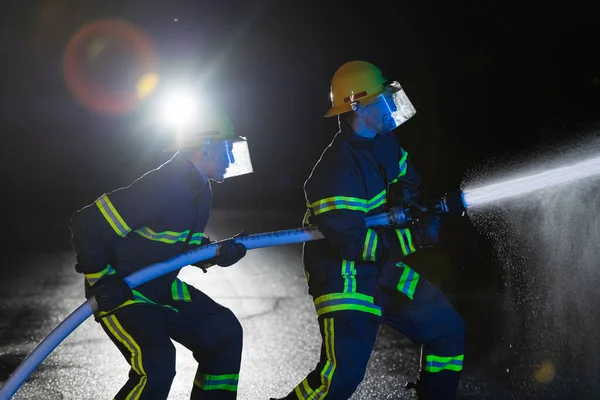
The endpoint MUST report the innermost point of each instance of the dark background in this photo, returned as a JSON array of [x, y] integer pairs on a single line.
[[488, 81], [491, 81]]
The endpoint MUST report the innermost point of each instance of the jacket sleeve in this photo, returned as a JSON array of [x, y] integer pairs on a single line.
[[97, 227], [337, 204], [402, 238]]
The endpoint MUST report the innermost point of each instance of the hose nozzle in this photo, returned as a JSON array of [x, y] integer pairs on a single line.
[[453, 203]]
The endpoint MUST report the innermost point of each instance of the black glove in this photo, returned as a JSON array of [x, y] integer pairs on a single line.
[[425, 232], [410, 193], [230, 252], [204, 265], [404, 193], [110, 292]]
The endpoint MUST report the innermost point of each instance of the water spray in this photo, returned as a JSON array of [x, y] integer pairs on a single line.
[[528, 184]]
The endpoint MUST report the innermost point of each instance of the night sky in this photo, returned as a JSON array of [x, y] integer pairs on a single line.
[[490, 80]]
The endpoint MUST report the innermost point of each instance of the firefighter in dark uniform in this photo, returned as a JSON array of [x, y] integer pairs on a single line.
[[161, 214], [357, 276]]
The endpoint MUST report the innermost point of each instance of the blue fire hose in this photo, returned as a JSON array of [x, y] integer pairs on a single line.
[[77, 317]]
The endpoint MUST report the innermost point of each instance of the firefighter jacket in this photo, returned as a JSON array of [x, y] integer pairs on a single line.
[[351, 181], [158, 216]]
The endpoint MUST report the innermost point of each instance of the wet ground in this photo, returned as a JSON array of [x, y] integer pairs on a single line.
[[267, 292]]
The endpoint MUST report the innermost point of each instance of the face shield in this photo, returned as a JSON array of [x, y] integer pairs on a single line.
[[237, 155], [399, 107]]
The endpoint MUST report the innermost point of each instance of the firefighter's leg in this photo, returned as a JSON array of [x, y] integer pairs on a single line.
[[348, 339], [214, 335], [417, 309], [139, 333]]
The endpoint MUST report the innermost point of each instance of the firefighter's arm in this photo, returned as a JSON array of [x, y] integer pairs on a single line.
[[405, 189], [97, 227], [338, 205]]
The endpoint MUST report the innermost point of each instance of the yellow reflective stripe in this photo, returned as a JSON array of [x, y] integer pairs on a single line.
[[408, 281], [350, 307], [437, 363], [174, 293], [197, 238], [346, 302], [112, 216], [139, 299], [339, 203], [348, 203], [96, 276], [335, 296], [349, 275], [370, 246], [374, 248], [186, 292], [401, 240], [303, 390], [227, 382], [123, 337], [330, 365], [180, 291], [168, 237], [367, 242], [409, 240], [405, 239], [377, 201], [402, 165]]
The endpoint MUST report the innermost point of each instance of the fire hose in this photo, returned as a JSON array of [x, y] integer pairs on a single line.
[[397, 216]]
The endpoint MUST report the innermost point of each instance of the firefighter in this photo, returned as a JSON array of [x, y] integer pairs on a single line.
[[161, 214], [358, 277]]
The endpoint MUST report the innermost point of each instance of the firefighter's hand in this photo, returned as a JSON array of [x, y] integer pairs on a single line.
[[110, 292], [230, 252], [425, 231], [410, 193]]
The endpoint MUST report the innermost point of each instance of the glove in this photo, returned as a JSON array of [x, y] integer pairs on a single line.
[[410, 193], [425, 232], [230, 252], [110, 292], [404, 193]]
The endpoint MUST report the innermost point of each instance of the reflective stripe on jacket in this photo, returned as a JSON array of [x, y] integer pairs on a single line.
[[156, 217], [350, 182]]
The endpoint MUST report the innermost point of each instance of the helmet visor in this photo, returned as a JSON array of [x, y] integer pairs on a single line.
[[238, 156], [399, 106]]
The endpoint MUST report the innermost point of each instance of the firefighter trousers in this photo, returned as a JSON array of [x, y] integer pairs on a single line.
[[413, 307], [143, 333]]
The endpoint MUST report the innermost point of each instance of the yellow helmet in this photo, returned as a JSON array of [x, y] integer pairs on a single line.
[[362, 82], [355, 81]]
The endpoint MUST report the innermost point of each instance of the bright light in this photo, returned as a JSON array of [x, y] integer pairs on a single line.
[[179, 109]]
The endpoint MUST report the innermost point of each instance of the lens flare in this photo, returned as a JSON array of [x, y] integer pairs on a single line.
[[110, 66], [146, 85]]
